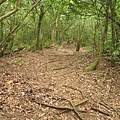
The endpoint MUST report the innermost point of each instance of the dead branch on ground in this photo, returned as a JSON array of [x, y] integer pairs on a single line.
[[106, 73]]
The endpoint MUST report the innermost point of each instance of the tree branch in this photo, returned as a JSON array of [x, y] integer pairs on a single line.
[[7, 40], [11, 12], [2, 1]]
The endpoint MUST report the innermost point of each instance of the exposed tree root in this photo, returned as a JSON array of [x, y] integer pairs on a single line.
[[100, 111], [109, 107], [75, 89], [64, 108], [75, 110], [92, 66], [60, 68]]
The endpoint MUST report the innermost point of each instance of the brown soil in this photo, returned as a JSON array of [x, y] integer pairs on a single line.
[[51, 85]]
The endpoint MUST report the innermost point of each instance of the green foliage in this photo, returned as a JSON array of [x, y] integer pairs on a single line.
[[59, 16], [108, 46], [48, 42], [13, 1], [114, 55]]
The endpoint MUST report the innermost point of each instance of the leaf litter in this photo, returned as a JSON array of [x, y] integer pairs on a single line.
[[51, 85]]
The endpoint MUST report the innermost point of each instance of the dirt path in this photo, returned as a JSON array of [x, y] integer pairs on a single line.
[[56, 78]]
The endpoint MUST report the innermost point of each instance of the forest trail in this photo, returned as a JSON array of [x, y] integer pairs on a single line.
[[55, 78]]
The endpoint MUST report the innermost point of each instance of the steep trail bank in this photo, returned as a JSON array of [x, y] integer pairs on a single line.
[[56, 77]]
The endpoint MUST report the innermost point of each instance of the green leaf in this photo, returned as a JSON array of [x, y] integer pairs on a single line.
[[115, 53], [13, 1]]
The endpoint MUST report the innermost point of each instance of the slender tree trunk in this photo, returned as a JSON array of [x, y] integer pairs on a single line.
[[11, 27], [5, 42], [80, 32], [54, 31], [1, 31], [114, 28], [39, 44], [78, 37], [62, 33], [102, 40], [113, 15]]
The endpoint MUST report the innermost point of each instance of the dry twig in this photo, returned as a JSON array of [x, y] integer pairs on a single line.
[[75, 89], [60, 68], [106, 73]]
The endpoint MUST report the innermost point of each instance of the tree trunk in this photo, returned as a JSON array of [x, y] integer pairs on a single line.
[[114, 29], [101, 46], [54, 31], [12, 23], [1, 31], [6, 41], [39, 44], [80, 32], [79, 40]]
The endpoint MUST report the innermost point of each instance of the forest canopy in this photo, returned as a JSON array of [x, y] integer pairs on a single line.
[[36, 24]]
